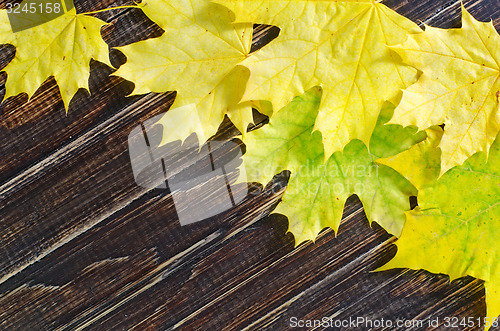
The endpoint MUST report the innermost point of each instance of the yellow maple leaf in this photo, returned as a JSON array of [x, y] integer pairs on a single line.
[[197, 56], [459, 87], [339, 45], [62, 47], [203, 114]]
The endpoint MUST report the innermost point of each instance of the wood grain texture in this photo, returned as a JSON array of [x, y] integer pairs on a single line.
[[82, 246]]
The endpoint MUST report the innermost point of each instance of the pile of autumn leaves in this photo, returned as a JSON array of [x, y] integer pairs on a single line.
[[339, 120]]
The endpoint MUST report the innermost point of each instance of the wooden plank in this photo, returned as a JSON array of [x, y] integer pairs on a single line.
[[38, 136], [446, 14]]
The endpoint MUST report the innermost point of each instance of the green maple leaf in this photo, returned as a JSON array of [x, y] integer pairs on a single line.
[[456, 229], [317, 191]]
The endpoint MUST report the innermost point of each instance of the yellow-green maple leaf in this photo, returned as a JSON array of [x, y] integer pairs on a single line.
[[316, 193], [456, 229], [460, 87], [421, 164], [197, 57], [62, 47], [339, 45]]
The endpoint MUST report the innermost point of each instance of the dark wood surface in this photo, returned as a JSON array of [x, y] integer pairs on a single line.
[[83, 246]]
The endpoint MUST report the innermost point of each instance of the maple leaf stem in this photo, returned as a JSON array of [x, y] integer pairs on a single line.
[[113, 8]]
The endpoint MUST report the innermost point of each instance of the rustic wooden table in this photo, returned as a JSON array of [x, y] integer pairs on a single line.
[[83, 246]]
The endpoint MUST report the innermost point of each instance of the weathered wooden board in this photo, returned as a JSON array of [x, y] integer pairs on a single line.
[[83, 246]]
